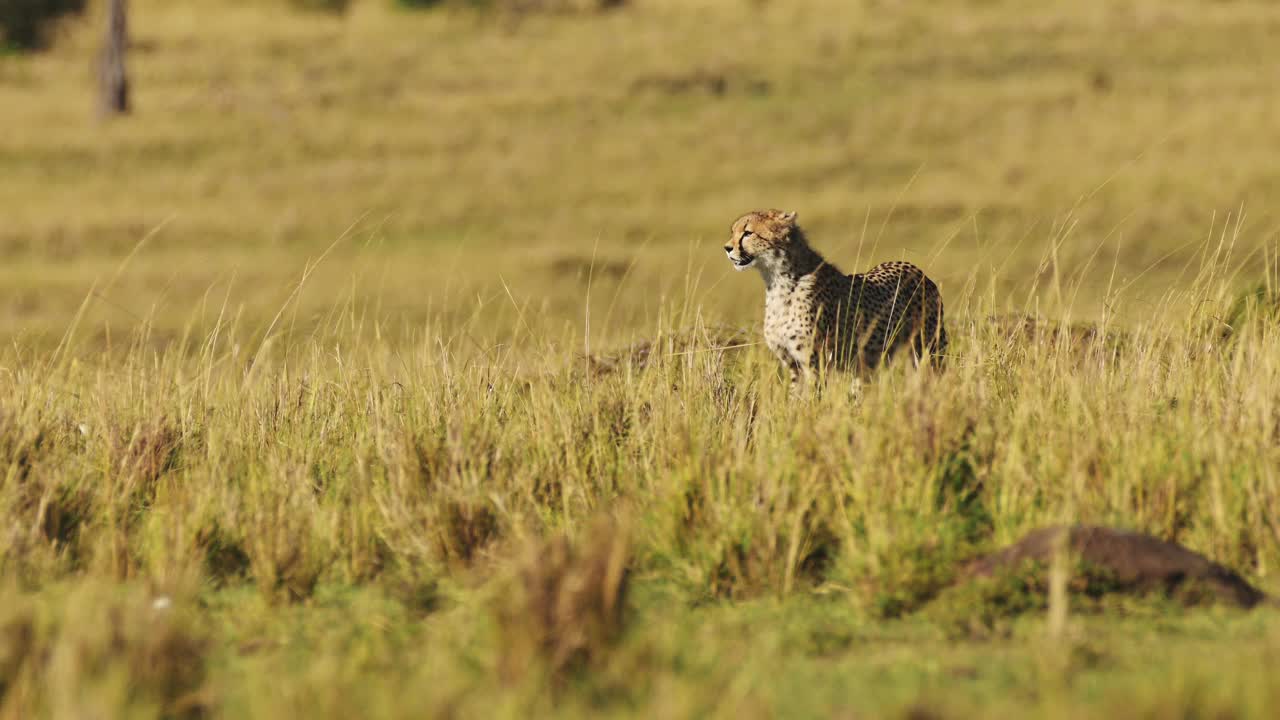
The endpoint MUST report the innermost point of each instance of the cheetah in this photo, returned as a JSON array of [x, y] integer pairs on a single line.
[[816, 316]]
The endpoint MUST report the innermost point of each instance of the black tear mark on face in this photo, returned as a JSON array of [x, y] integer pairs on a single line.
[[744, 258]]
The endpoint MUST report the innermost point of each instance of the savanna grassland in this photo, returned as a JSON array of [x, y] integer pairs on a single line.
[[388, 365]]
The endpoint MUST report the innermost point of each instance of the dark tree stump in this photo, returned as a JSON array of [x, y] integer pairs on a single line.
[[113, 91]]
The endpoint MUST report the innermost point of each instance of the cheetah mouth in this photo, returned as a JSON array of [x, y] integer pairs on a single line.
[[744, 262]]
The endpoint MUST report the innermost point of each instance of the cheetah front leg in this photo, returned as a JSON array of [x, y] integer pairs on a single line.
[[805, 373], [796, 374], [803, 380], [798, 384]]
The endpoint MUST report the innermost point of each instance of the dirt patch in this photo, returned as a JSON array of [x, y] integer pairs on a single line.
[[1132, 561], [555, 6], [1081, 339], [583, 268], [700, 81]]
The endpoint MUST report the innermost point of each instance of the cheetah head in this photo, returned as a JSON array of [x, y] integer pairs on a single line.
[[764, 235]]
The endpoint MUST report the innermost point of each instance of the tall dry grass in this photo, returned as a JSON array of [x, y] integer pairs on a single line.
[[284, 471], [249, 471]]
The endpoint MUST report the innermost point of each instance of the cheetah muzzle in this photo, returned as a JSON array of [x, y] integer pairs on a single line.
[[817, 317]]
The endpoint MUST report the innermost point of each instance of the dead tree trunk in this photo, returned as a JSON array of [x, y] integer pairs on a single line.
[[113, 91]]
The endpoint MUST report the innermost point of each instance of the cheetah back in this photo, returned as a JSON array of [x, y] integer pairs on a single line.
[[893, 305]]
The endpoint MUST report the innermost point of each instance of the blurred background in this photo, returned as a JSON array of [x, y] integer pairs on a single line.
[[505, 164]]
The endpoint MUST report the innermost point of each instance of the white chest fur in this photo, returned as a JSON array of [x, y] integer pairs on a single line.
[[788, 316]]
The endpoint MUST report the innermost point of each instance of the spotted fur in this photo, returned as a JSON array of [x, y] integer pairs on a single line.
[[816, 316]]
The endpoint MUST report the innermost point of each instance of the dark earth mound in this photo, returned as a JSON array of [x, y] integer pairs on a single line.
[[1133, 562]]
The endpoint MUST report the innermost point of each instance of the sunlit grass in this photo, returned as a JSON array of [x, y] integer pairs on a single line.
[[225, 472], [388, 366]]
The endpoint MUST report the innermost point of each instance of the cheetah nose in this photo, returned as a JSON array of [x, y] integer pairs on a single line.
[[728, 248]]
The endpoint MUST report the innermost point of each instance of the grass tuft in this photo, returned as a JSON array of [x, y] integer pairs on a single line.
[[567, 607]]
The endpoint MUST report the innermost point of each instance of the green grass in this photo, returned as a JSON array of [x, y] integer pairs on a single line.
[[322, 370]]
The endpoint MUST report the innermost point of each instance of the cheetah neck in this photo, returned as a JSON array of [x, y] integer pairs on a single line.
[[782, 273]]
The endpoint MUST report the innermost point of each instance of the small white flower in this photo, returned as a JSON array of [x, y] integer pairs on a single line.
[[84, 429], [161, 603]]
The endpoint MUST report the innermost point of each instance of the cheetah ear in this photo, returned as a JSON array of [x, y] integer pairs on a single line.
[[789, 217]]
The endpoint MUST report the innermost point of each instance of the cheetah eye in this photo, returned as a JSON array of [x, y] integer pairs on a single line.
[[745, 234]]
